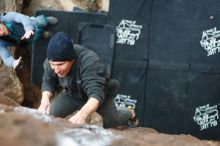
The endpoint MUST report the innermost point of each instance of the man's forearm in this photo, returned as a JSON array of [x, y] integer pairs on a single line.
[[46, 95], [45, 102], [90, 107]]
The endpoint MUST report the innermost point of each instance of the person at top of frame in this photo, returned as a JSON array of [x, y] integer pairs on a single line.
[[17, 28]]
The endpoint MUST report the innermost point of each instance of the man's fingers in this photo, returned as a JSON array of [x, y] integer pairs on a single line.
[[43, 109], [48, 110]]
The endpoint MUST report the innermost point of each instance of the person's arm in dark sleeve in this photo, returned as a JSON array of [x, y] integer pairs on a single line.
[[92, 73], [49, 80], [93, 76]]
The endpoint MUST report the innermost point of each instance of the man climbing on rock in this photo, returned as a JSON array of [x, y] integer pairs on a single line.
[[85, 84]]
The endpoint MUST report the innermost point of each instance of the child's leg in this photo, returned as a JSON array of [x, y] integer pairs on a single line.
[[41, 20], [7, 58]]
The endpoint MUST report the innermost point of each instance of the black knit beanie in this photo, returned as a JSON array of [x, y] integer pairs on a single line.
[[60, 48]]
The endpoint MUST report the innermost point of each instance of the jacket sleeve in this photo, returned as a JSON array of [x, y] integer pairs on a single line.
[[93, 74], [50, 80], [7, 58], [19, 18]]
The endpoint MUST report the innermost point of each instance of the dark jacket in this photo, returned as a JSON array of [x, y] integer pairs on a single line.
[[87, 78]]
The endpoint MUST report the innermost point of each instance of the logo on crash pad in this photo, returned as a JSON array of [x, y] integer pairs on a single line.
[[211, 41], [125, 101], [206, 116], [128, 32]]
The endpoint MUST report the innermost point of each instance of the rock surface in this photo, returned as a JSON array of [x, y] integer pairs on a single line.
[[20, 126], [65, 5], [10, 84], [11, 5]]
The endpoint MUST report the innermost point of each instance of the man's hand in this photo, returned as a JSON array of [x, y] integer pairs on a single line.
[[27, 34], [45, 102], [78, 118], [89, 108]]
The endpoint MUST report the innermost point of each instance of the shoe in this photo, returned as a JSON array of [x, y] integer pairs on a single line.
[[132, 123], [47, 34], [52, 20]]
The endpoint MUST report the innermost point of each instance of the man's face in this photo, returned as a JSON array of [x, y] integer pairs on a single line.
[[61, 68], [3, 30]]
